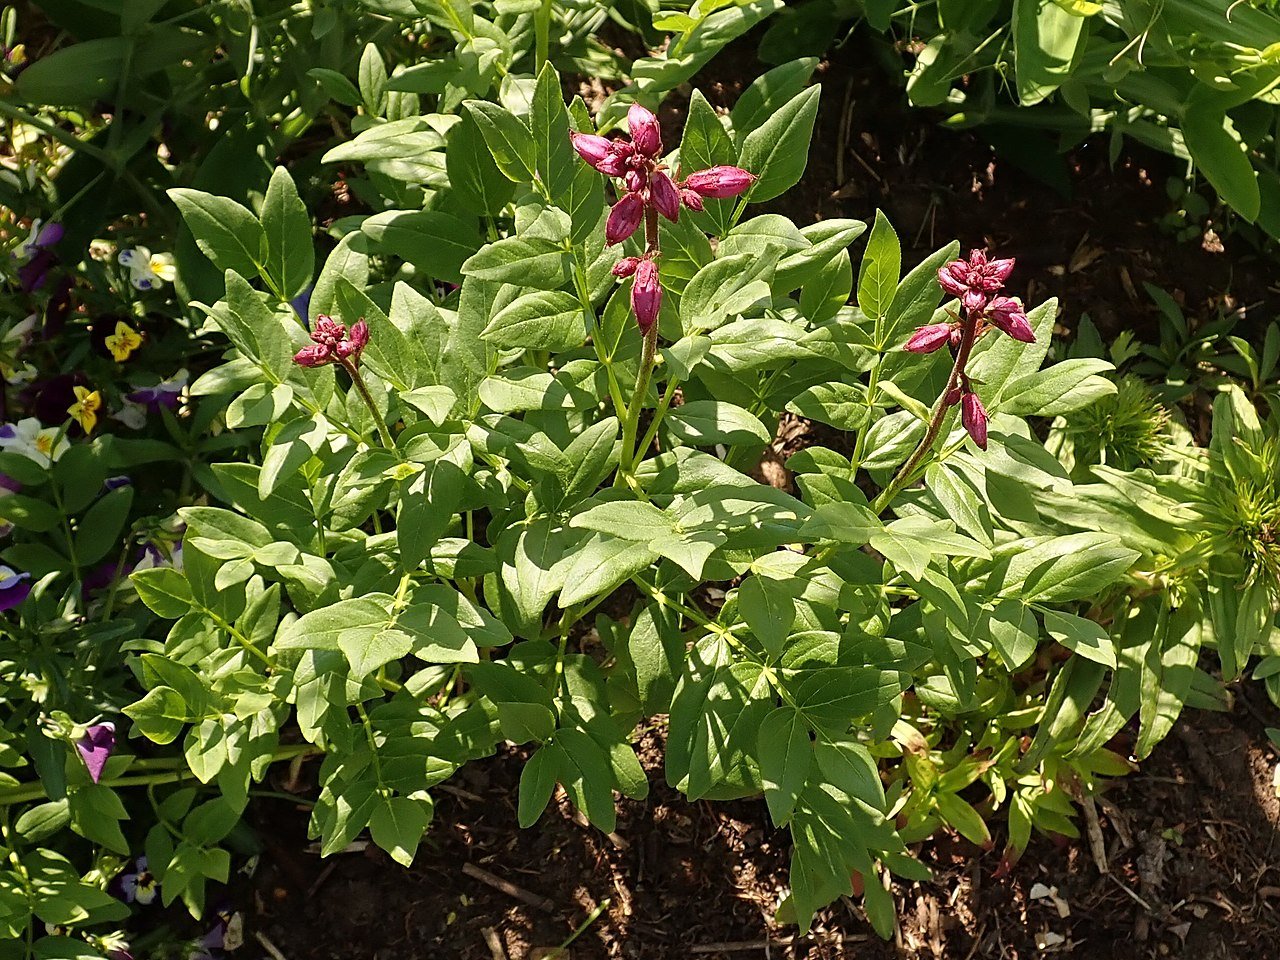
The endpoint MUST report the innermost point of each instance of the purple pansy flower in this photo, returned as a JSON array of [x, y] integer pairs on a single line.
[[96, 747], [14, 587], [166, 393]]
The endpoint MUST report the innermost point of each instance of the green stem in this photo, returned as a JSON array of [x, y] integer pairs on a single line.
[[648, 354], [664, 404], [593, 321], [542, 30], [968, 333], [62, 136], [383, 433], [629, 452]]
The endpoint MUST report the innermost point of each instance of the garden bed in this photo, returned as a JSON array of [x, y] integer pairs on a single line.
[[1188, 841]]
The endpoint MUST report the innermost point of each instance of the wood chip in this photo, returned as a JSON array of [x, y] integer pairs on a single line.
[[1097, 846], [493, 943], [510, 889], [268, 946], [738, 946]]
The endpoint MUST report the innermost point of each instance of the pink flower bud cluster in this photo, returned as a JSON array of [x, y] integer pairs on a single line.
[[647, 182], [974, 281], [977, 282], [648, 186], [333, 344]]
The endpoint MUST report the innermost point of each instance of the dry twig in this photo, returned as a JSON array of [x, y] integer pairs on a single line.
[[510, 889]]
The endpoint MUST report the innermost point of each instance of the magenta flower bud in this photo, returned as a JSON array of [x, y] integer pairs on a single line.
[[315, 355], [355, 343], [953, 397], [624, 149], [646, 295], [327, 330], [646, 134], [626, 266], [956, 336], [928, 338], [665, 196], [96, 746], [591, 148], [1007, 314], [974, 417], [692, 199], [624, 218], [614, 165], [952, 277], [634, 179], [997, 273], [974, 301], [719, 182]]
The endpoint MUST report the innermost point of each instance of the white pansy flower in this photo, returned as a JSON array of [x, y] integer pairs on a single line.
[[44, 445], [147, 270]]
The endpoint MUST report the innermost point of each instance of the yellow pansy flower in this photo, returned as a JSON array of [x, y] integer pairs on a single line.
[[123, 342], [85, 410]]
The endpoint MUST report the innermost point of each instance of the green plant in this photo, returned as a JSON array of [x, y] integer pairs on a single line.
[[1191, 78], [484, 477]]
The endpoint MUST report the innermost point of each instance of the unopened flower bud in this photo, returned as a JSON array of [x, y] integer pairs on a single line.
[[953, 397], [315, 355], [928, 338], [952, 277], [327, 330], [591, 148], [634, 179], [1007, 314], [626, 266], [624, 218], [614, 165], [997, 272], [974, 417], [973, 300], [692, 199], [665, 196], [646, 295], [720, 182], [646, 134], [355, 343]]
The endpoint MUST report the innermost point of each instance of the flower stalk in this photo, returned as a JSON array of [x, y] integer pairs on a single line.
[[976, 282]]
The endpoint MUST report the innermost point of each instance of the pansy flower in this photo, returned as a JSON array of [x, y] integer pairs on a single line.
[[166, 393], [19, 335], [85, 410], [41, 237], [154, 556], [96, 747], [123, 341], [139, 885], [148, 271], [27, 437], [14, 587]]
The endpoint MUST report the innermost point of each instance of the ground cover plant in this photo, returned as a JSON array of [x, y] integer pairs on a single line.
[[1194, 79], [483, 473]]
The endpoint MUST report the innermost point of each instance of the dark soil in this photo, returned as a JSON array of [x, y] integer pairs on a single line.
[[1193, 869]]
